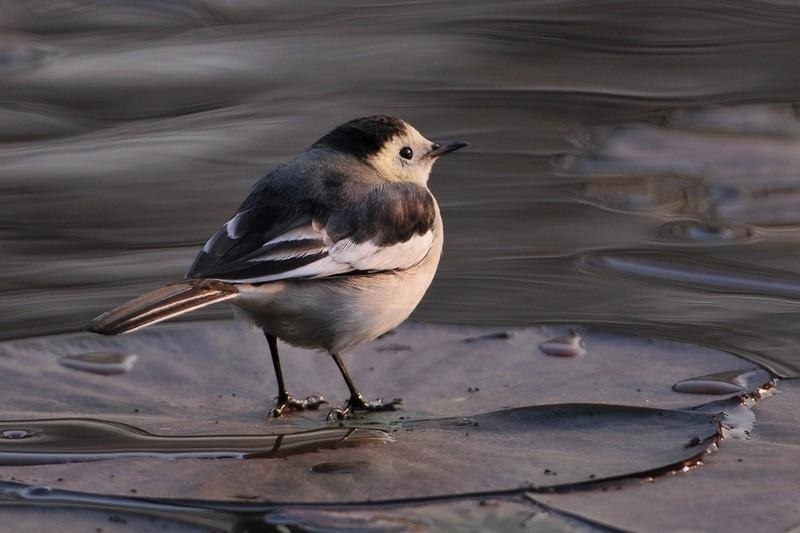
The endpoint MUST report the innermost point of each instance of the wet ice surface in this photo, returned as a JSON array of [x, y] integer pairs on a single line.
[[106, 363], [723, 382], [533, 422], [748, 480], [222, 372], [119, 513], [75, 440], [529, 447]]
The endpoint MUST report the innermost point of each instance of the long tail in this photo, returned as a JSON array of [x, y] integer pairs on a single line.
[[161, 304]]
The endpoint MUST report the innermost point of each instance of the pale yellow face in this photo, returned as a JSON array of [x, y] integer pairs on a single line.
[[405, 157]]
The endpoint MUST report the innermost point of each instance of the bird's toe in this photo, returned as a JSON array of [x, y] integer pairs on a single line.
[[288, 403]]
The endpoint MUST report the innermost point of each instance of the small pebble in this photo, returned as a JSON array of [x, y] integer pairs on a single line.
[[105, 363], [731, 382], [571, 345]]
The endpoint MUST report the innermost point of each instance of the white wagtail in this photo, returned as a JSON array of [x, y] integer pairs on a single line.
[[329, 250]]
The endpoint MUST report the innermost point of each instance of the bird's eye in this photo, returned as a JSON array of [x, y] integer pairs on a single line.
[[406, 153]]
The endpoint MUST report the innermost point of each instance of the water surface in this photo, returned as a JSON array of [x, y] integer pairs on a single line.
[[129, 132]]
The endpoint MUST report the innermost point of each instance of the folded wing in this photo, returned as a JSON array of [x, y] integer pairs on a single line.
[[380, 228]]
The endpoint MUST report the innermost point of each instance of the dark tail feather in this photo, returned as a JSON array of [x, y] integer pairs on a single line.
[[161, 304]]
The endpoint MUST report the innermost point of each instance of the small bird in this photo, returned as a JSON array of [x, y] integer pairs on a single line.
[[330, 250]]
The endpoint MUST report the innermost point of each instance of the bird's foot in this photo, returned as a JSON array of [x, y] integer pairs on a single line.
[[358, 403], [287, 404]]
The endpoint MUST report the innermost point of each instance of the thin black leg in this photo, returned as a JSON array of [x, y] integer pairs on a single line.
[[285, 401], [354, 394], [357, 401], [272, 341]]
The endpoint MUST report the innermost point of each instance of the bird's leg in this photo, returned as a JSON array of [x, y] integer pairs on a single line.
[[285, 401], [357, 402]]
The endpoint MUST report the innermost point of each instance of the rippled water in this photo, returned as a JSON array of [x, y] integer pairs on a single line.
[[130, 131]]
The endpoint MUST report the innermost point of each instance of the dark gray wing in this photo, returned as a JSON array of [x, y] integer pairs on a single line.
[[334, 229]]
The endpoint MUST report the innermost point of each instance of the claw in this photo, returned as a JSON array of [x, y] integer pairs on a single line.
[[288, 404], [339, 413], [358, 403]]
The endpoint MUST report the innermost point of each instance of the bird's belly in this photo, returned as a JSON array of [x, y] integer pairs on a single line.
[[336, 314]]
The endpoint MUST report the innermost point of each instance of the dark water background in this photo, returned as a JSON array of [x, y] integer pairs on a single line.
[[633, 164]]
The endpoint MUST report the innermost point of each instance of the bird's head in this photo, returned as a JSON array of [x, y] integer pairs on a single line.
[[390, 145]]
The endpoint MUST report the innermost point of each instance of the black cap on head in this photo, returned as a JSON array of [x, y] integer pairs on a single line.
[[363, 137]]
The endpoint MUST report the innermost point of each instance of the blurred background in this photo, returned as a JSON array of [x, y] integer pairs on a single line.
[[634, 165]]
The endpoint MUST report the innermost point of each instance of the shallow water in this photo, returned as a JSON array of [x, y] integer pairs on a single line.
[[75, 440], [550, 446], [129, 132]]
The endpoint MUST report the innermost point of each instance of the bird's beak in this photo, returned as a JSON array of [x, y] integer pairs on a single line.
[[445, 147]]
